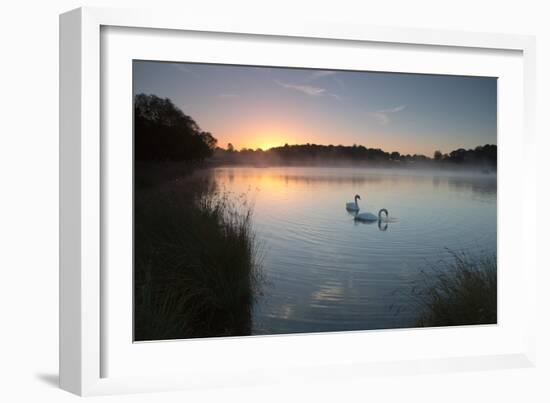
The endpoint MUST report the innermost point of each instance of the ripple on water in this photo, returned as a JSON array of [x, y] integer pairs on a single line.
[[324, 271]]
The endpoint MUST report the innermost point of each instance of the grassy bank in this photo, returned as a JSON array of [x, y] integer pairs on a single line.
[[196, 263], [460, 292]]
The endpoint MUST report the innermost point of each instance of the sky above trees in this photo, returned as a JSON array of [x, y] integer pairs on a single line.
[[264, 107]]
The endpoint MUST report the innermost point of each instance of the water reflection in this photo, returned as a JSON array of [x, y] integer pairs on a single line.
[[323, 273], [480, 186], [382, 224]]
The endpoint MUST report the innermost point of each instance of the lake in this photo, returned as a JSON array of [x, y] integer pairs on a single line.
[[323, 271]]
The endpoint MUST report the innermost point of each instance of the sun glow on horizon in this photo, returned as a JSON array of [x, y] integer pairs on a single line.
[[265, 134], [263, 143], [261, 108], [269, 144], [268, 137]]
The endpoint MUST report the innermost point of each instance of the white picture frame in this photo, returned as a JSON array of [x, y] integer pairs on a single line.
[[97, 357]]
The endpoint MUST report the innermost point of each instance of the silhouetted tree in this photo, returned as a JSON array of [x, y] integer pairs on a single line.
[[209, 140], [482, 155], [319, 154], [163, 132], [457, 155]]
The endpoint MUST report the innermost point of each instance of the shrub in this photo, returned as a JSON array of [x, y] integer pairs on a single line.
[[460, 292]]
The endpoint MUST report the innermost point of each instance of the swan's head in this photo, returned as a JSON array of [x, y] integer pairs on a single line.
[[357, 197]]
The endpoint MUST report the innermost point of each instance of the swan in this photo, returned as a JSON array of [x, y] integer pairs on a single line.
[[369, 217], [353, 206]]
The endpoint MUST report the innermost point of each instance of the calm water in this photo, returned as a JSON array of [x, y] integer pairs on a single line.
[[325, 272]]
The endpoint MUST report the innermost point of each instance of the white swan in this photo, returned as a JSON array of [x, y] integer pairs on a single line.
[[369, 217], [353, 206]]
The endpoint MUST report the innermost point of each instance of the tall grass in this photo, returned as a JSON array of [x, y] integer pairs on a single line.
[[196, 262], [460, 292]]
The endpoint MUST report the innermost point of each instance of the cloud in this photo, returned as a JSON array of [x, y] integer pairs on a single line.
[[393, 110], [305, 89], [309, 90], [185, 69], [383, 116], [320, 74], [228, 96]]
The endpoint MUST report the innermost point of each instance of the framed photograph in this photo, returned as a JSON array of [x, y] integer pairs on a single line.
[[249, 202]]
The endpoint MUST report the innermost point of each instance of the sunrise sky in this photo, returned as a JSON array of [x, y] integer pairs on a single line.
[[263, 107]]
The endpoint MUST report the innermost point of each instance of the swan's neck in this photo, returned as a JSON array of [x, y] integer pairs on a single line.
[[356, 205]]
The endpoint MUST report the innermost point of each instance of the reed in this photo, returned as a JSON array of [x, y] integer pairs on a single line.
[[196, 262], [462, 291]]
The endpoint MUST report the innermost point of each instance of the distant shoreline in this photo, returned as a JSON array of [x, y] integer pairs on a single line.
[[481, 158]]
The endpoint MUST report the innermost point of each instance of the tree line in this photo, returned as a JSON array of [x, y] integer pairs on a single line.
[[314, 153], [162, 132]]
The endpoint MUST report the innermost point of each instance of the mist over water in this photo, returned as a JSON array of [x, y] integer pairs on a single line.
[[324, 271]]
